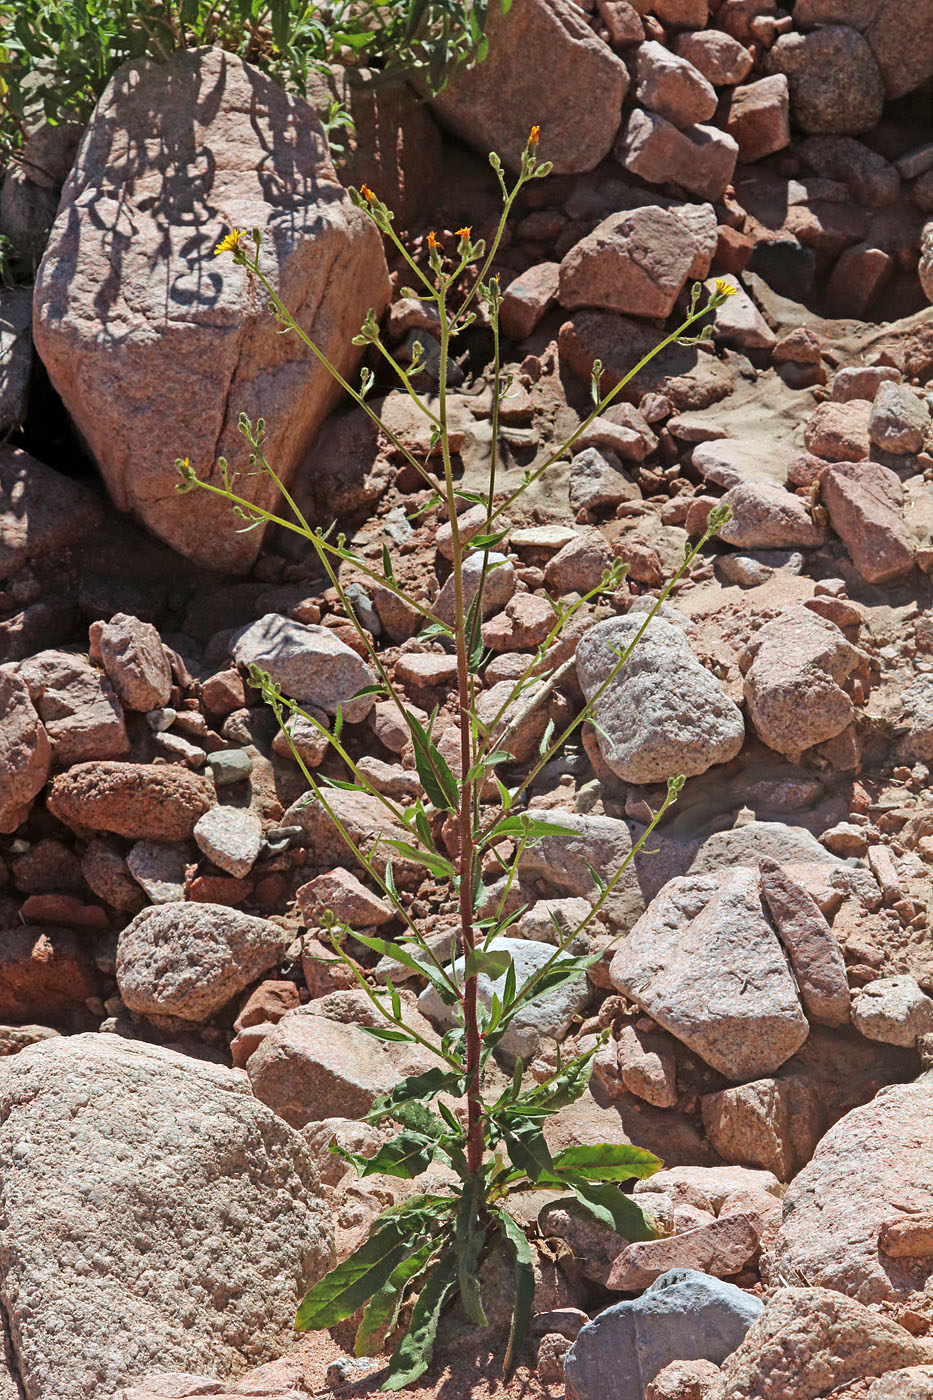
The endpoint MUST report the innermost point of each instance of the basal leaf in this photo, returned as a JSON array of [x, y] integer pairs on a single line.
[[413, 1354], [382, 1310], [351, 1283], [514, 1237]]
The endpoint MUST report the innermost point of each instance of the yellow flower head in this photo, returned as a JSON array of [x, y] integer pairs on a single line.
[[725, 289], [368, 194], [465, 232], [434, 243], [232, 242], [534, 136]]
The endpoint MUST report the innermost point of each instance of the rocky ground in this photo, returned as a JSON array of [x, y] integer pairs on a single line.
[[181, 1049]]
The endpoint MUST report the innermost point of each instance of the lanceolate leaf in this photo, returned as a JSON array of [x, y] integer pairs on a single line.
[[514, 1237], [383, 1307], [350, 1284], [416, 1089], [434, 862], [406, 1156], [527, 1148], [608, 1161], [433, 769], [413, 1354], [607, 1204]]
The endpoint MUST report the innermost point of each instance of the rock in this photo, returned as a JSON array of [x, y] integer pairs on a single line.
[[15, 355], [703, 962], [132, 656], [862, 381], [911, 1383], [142, 801], [544, 66], [925, 266], [647, 1066], [809, 1341], [745, 845], [808, 940], [739, 322], [672, 87], [623, 430], [731, 462], [45, 973], [684, 1315], [309, 663], [722, 60], [683, 1380], [190, 960], [797, 655], [497, 590], [868, 176], [108, 876], [865, 505], [190, 338], [774, 1124], [835, 85], [636, 262], [78, 707], [565, 863], [229, 767], [664, 713], [236, 1230], [230, 837], [838, 432], [549, 1017], [312, 1067], [759, 118], [799, 346], [873, 1168], [701, 159], [159, 870], [347, 899], [527, 298], [721, 1248], [768, 517], [41, 511], [899, 421], [893, 1010], [902, 44], [581, 565], [709, 1188], [365, 818], [527, 620], [268, 1003], [25, 751]]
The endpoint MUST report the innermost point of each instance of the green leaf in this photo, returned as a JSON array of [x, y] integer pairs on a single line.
[[413, 1354], [493, 964], [605, 1161], [469, 1238], [423, 966], [528, 1150], [610, 1206], [415, 1089], [381, 1312], [350, 1284], [388, 1033], [406, 1156], [514, 1237], [434, 862], [433, 769], [387, 564]]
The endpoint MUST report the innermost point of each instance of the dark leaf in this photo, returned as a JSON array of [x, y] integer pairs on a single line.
[[514, 1237], [413, 1354]]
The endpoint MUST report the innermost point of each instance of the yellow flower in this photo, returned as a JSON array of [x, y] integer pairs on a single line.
[[232, 242], [725, 289], [534, 136], [465, 232], [434, 243], [368, 194]]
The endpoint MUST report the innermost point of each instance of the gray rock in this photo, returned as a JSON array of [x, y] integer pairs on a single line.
[[744, 845], [130, 1172], [310, 663], [550, 1017], [563, 862], [497, 590], [893, 1010], [597, 480], [230, 837], [899, 421], [78, 707], [188, 960], [874, 1168], [768, 517], [683, 1316], [159, 870], [134, 660], [15, 354], [704, 963], [229, 766], [664, 713]]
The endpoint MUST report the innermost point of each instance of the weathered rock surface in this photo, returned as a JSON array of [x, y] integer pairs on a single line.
[[767, 517], [700, 159], [893, 1010], [545, 67], [634, 262], [809, 1341], [684, 1315], [41, 511], [128, 1172], [808, 941], [873, 1168], [78, 707], [230, 837], [663, 713], [142, 801], [563, 862], [45, 974], [704, 963], [835, 85], [25, 751], [134, 660], [189, 960], [865, 504], [194, 351], [672, 87], [15, 355], [309, 663]]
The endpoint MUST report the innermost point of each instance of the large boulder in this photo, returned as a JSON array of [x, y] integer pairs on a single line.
[[545, 67], [871, 1171], [155, 346], [635, 262], [663, 713], [25, 751], [835, 85], [154, 1214], [41, 511]]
